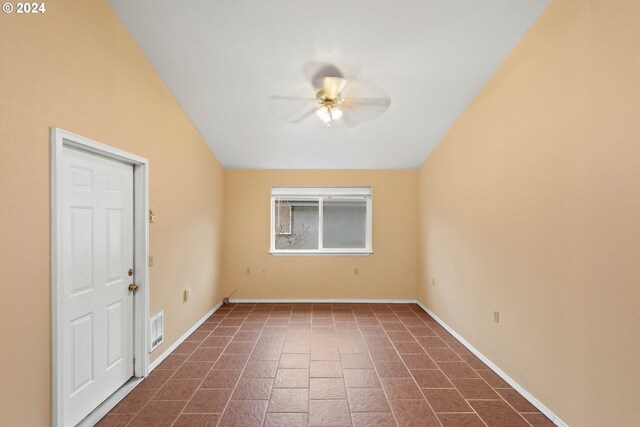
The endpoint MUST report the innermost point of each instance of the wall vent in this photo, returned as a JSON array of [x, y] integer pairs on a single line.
[[156, 330]]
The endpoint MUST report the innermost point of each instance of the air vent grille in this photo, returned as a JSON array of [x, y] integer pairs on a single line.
[[156, 330]]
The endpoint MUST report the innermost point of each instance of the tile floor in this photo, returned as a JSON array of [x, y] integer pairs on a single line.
[[323, 365]]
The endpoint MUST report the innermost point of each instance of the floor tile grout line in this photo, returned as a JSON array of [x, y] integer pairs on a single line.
[[436, 363], [510, 405], [465, 399], [376, 369], [449, 379], [167, 380], [341, 367], [244, 366], [266, 414], [214, 363], [455, 388], [474, 370], [408, 370], [359, 331]]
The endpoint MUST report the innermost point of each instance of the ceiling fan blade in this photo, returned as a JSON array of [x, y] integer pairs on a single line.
[[332, 86], [361, 110], [311, 111], [290, 98], [292, 109], [382, 102]]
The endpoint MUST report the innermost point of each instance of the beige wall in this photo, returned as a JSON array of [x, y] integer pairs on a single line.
[[390, 272], [531, 206], [76, 67]]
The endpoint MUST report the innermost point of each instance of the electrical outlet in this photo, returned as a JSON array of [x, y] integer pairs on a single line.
[[433, 282], [496, 316], [356, 271], [247, 270], [187, 293]]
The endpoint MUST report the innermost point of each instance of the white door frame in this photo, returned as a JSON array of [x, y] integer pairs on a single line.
[[59, 140]]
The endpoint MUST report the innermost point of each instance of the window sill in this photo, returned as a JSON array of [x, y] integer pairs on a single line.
[[321, 253]]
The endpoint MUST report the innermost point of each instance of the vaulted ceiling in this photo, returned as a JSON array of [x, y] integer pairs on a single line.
[[222, 59]]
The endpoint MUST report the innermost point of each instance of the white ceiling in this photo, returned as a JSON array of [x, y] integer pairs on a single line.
[[223, 58]]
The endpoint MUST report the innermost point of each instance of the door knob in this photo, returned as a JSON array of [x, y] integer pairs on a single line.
[[133, 288]]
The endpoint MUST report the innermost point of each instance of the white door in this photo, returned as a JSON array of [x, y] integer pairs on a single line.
[[97, 253]]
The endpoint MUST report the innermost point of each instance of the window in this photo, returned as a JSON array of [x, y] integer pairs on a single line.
[[327, 220]]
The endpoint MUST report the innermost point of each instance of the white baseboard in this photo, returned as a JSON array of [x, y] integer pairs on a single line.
[[323, 300], [535, 402], [180, 340]]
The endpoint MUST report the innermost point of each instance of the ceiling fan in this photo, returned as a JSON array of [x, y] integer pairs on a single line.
[[338, 102]]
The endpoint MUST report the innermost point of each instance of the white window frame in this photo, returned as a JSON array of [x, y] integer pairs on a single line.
[[319, 194]]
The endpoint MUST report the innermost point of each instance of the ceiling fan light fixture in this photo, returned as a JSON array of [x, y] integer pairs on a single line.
[[328, 114], [324, 113]]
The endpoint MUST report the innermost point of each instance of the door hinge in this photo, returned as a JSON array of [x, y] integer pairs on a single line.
[[152, 215]]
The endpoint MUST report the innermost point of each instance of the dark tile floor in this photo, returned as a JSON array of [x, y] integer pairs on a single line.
[[323, 365]]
